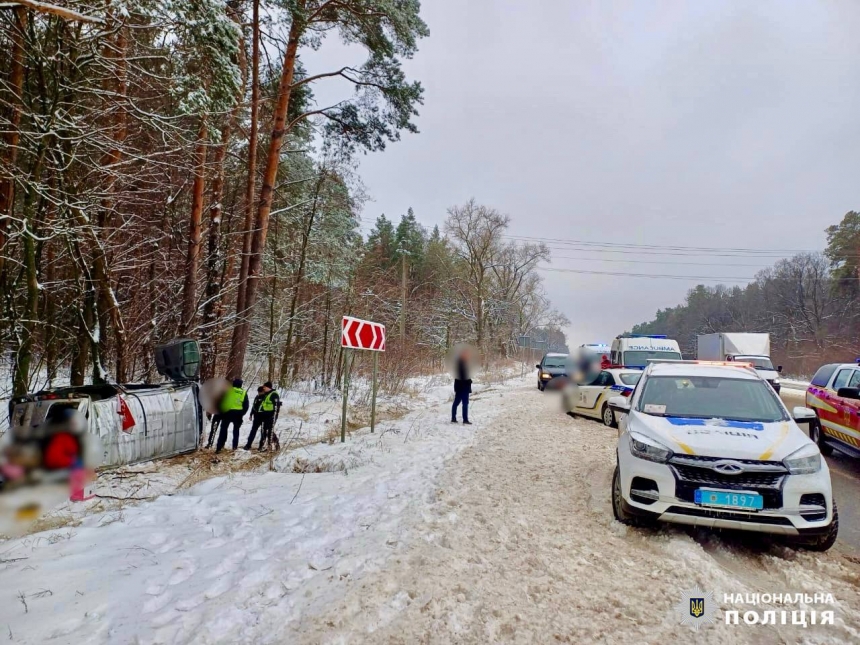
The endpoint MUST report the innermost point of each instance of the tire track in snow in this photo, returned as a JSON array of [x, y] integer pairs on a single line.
[[520, 546]]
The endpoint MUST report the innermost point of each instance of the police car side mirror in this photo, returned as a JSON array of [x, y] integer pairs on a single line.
[[848, 393], [803, 415], [779, 368], [538, 366], [619, 404]]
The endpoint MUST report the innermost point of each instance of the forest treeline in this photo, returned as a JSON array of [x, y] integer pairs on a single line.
[[167, 170], [808, 303]]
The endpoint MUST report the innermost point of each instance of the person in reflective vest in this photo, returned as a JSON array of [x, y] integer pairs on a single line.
[[269, 402], [234, 406]]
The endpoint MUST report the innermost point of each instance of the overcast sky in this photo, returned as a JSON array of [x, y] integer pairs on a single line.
[[709, 124]]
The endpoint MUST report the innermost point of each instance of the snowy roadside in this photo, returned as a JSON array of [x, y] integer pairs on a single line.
[[309, 416], [236, 557], [521, 546]]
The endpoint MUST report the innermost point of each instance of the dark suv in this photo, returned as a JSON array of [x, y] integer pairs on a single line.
[[551, 366]]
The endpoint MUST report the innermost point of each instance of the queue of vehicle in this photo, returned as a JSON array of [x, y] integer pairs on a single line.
[[710, 443]]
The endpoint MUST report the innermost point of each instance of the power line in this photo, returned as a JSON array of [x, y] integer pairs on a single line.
[[691, 253], [698, 264], [659, 276], [668, 247]]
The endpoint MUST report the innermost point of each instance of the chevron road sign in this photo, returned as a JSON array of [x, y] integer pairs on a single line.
[[359, 334], [362, 334]]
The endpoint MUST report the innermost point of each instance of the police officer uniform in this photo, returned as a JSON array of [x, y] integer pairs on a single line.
[[234, 405], [264, 416]]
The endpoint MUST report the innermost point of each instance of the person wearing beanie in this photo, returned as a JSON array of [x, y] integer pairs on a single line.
[[265, 415]]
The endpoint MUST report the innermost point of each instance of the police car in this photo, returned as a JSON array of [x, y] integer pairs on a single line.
[[711, 444], [591, 400]]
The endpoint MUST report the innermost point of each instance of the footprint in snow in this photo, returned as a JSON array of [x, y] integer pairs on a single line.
[[221, 586], [169, 547], [187, 604], [214, 543], [155, 590], [228, 565], [157, 603], [184, 569]]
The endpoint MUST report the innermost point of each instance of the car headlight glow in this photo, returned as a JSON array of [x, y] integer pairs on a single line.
[[648, 448], [805, 461], [776, 381], [544, 375]]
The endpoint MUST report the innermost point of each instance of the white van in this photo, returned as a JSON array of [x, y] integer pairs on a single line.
[[634, 351]]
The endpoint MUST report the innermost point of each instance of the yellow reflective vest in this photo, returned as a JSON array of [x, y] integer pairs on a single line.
[[233, 400]]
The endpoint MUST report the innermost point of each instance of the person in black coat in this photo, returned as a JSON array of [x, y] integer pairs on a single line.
[[462, 387], [263, 413]]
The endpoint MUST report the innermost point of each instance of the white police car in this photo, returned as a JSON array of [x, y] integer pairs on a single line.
[[591, 399], [711, 444]]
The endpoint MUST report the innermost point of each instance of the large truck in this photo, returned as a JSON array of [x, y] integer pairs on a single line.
[[743, 347]]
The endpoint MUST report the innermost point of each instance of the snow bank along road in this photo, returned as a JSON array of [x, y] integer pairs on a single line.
[[501, 532]]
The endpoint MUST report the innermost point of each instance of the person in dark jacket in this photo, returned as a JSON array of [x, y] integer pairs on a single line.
[[462, 387], [255, 406], [266, 404], [234, 406]]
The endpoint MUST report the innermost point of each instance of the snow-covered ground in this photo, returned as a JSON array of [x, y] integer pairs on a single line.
[[239, 557], [520, 546], [426, 532]]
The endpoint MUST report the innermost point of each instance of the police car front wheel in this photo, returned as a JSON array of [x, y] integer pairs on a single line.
[[621, 513]]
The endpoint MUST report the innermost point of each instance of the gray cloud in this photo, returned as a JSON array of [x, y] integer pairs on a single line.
[[730, 124]]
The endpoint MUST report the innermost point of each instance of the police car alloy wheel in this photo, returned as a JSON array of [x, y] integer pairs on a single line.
[[618, 504], [608, 417], [617, 509]]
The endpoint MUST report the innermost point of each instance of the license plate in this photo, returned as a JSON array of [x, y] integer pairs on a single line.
[[729, 499]]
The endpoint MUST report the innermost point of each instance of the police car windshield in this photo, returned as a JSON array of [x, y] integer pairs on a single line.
[[758, 362], [630, 379], [640, 358], [710, 398]]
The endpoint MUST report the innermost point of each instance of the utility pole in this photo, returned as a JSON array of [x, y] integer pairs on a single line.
[[403, 299]]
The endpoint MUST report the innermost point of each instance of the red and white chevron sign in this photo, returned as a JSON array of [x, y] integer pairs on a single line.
[[362, 334]]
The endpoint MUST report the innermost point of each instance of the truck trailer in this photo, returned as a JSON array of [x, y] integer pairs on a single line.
[[744, 347]]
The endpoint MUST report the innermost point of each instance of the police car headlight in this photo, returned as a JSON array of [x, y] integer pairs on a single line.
[[544, 375], [805, 461], [648, 448], [776, 381]]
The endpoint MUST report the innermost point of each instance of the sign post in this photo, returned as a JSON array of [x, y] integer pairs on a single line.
[[360, 334], [373, 397], [346, 369]]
